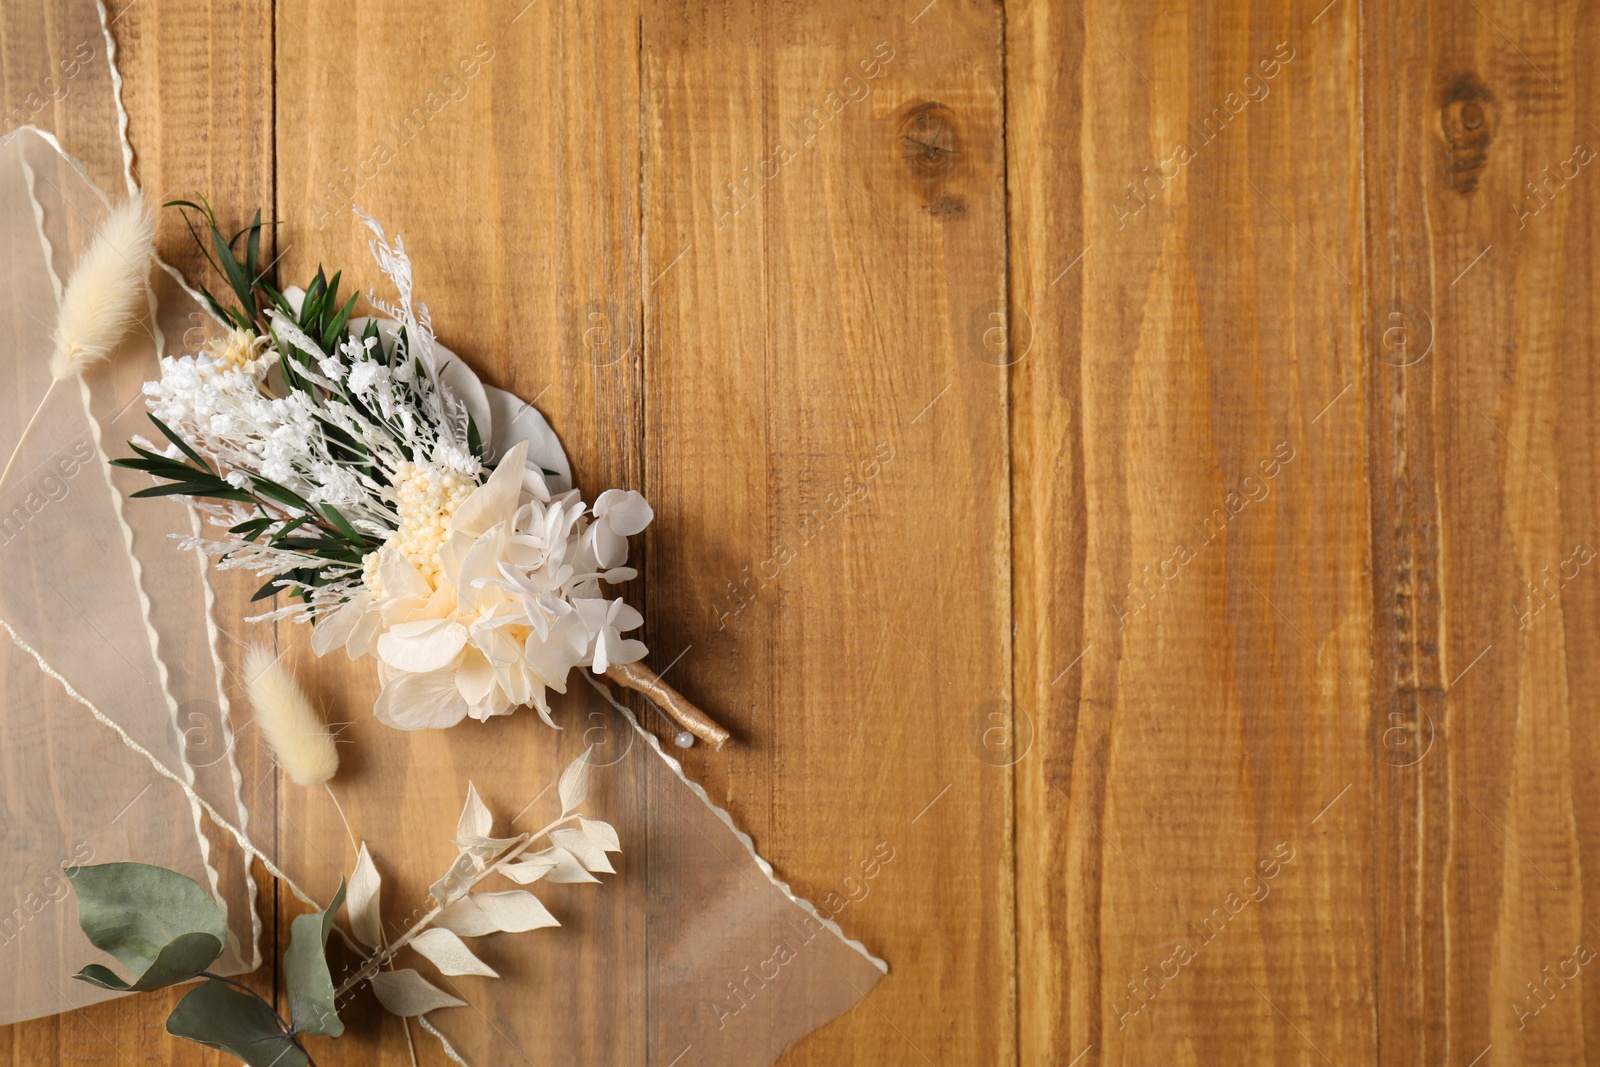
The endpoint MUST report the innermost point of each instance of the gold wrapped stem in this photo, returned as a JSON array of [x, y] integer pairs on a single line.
[[642, 679]]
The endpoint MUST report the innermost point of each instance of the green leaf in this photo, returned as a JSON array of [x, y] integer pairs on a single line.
[[252, 247], [162, 926], [335, 329], [194, 489], [164, 468], [273, 491], [267, 590], [291, 526], [183, 446], [251, 529], [102, 976], [343, 524], [221, 1017], [305, 967], [231, 269], [185, 957]]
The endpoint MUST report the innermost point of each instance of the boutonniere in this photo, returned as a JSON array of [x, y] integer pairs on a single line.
[[410, 512]]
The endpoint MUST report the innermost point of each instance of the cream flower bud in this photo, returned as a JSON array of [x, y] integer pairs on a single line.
[[298, 737]]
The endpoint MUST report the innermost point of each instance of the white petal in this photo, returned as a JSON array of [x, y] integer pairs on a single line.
[[406, 992], [364, 638], [610, 547], [516, 682], [487, 913], [449, 953], [629, 651], [623, 616], [593, 612], [495, 500], [333, 631], [362, 900], [481, 563], [420, 701], [422, 646], [535, 484], [496, 703], [625, 511], [474, 676], [602, 648], [400, 579]]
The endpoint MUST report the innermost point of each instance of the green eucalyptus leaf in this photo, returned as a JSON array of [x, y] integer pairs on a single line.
[[186, 956], [305, 967], [221, 1017], [102, 976], [162, 926]]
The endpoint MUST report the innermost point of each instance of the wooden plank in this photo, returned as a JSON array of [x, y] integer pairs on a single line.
[[1481, 229], [1193, 868], [502, 143], [176, 110], [787, 267], [54, 76], [824, 207]]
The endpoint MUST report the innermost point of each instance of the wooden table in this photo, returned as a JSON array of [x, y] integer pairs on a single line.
[[1137, 467]]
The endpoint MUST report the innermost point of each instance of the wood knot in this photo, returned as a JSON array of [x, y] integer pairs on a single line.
[[1468, 118], [929, 142]]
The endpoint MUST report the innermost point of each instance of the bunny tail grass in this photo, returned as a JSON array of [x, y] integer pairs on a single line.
[[105, 292], [299, 740]]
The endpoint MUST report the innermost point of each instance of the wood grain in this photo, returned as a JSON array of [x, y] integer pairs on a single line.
[[182, 111], [532, 214], [1179, 562], [824, 219], [1191, 532], [1483, 456]]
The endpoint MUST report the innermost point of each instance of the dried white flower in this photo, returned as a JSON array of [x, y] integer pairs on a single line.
[[481, 603]]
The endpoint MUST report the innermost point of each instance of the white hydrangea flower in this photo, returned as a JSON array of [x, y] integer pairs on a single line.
[[498, 610]]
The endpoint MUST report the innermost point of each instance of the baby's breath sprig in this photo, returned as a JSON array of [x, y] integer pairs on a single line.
[[313, 542]]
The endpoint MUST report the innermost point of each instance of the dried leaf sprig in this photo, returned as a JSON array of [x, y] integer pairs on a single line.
[[574, 850], [167, 929]]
